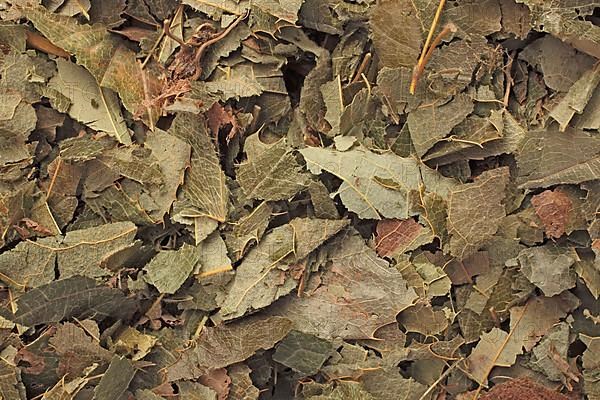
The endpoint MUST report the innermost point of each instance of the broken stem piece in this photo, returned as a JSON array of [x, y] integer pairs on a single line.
[[362, 67], [420, 67], [54, 175], [212, 41], [167, 31]]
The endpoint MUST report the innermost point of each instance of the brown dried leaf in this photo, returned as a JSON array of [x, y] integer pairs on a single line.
[[399, 236], [553, 207]]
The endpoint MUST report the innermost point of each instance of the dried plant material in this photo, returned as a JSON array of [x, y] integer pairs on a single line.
[[299, 199], [475, 211], [399, 236], [553, 207]]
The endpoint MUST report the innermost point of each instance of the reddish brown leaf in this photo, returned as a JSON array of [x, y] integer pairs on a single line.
[[36, 366], [394, 233], [40, 43], [553, 208], [135, 33], [461, 272], [219, 117], [217, 380]]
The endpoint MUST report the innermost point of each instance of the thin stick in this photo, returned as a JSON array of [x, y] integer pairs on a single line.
[[421, 64], [53, 180], [508, 77], [340, 92], [362, 67], [418, 71], [438, 380], [366, 80], [212, 41], [167, 31]]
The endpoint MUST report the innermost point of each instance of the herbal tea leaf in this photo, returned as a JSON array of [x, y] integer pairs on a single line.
[[76, 296]]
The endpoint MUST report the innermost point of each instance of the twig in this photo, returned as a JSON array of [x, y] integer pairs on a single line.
[[436, 19], [366, 80], [508, 77], [420, 67], [340, 92], [438, 380], [362, 67], [167, 31], [455, 139], [212, 41], [153, 49], [53, 180]]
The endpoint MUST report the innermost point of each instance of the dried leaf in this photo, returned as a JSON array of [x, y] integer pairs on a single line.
[[90, 104], [168, 270], [527, 325], [542, 162], [205, 183], [271, 172], [264, 275], [77, 296], [400, 236], [109, 61], [474, 212], [553, 207], [364, 175], [228, 344], [549, 267], [303, 352], [360, 311], [115, 380]]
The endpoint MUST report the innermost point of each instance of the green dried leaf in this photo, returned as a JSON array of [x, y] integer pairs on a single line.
[[475, 211], [430, 124], [590, 365], [389, 383], [271, 172], [577, 98], [80, 252], [248, 229], [303, 352], [320, 313], [205, 183], [225, 345], [565, 19], [107, 12], [265, 273], [528, 324], [169, 269], [108, 60], [361, 193], [70, 340], [551, 354], [92, 105], [115, 380], [172, 155], [76, 296], [398, 47], [422, 318], [560, 63], [285, 10], [241, 387], [549, 267], [11, 386], [543, 158]]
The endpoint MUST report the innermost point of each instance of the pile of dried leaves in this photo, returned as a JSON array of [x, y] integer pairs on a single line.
[[241, 199]]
